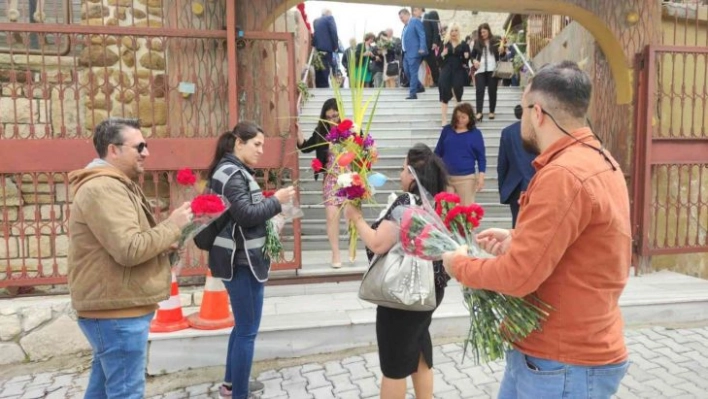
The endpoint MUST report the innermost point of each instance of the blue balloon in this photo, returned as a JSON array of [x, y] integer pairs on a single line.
[[377, 179]]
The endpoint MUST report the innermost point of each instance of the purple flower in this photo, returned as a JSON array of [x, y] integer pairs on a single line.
[[335, 136], [368, 141], [352, 192]]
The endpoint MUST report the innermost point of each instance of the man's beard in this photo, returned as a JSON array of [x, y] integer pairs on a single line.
[[531, 144]]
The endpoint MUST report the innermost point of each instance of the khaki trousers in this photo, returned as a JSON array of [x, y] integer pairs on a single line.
[[465, 187]]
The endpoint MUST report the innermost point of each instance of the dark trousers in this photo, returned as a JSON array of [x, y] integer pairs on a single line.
[[514, 205], [482, 81], [330, 65], [432, 62]]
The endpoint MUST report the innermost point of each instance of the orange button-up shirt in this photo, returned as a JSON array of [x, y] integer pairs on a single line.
[[572, 247]]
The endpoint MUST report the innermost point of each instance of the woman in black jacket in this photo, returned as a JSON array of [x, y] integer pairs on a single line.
[[454, 56], [485, 55], [240, 261], [329, 116]]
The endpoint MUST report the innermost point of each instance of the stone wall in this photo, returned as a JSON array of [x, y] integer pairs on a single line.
[[36, 329]]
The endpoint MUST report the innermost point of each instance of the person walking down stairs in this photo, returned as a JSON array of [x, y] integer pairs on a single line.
[[329, 169]]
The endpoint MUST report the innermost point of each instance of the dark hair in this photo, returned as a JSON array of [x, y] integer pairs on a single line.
[[518, 111], [404, 11], [322, 126], [486, 27], [465, 108], [432, 16], [430, 169], [566, 85], [368, 36], [110, 131], [243, 131]]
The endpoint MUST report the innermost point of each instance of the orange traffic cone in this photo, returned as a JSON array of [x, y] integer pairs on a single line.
[[214, 312], [169, 316]]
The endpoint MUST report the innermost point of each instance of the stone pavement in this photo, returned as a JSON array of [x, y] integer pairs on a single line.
[[666, 363]]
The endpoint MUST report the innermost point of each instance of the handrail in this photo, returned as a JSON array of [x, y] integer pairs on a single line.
[[304, 80], [523, 59]]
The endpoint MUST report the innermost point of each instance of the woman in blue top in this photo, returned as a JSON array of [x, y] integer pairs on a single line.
[[461, 147]]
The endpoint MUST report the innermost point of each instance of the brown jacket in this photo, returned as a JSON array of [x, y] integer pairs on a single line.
[[118, 265], [571, 246]]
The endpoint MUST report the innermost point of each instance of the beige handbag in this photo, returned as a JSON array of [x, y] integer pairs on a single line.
[[400, 281], [504, 70]]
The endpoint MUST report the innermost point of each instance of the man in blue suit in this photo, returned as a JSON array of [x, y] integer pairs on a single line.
[[514, 169], [414, 49], [326, 41]]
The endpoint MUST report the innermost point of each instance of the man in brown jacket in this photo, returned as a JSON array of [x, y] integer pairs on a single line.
[[118, 259], [571, 247]]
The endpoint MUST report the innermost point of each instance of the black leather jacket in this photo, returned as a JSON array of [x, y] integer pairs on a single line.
[[249, 211]]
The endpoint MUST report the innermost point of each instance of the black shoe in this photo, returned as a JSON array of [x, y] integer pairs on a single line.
[[255, 387], [421, 90], [412, 98]]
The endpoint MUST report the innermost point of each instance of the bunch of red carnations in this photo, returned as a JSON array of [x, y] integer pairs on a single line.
[[496, 320], [206, 207]]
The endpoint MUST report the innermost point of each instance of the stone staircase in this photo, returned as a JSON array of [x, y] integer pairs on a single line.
[[397, 125]]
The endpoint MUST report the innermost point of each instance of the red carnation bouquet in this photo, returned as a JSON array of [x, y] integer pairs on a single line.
[[496, 320], [206, 207]]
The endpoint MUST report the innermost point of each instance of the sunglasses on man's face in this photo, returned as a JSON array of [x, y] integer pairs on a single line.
[[140, 147]]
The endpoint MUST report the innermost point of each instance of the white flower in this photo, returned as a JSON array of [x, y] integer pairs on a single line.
[[355, 128], [344, 180]]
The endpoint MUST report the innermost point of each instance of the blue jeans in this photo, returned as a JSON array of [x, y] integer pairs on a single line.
[[119, 355], [528, 377], [246, 295], [411, 65]]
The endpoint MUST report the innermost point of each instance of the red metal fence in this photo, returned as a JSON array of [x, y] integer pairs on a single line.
[[175, 68], [671, 158]]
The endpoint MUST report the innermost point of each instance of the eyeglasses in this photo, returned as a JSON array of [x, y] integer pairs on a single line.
[[332, 117], [140, 147]]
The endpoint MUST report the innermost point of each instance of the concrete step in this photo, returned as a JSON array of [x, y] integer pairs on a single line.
[[308, 319]]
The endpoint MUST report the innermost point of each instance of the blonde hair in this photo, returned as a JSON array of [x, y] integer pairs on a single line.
[[455, 26]]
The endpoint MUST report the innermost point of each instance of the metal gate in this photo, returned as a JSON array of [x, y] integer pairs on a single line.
[[670, 209], [176, 67]]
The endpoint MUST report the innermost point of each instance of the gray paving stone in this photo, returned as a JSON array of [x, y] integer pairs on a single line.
[[316, 379], [358, 370], [349, 395], [342, 383], [322, 392], [352, 359], [368, 387], [272, 388], [269, 375], [479, 375], [13, 389], [306, 368], [334, 368], [59, 393], [664, 363], [372, 360], [451, 372], [637, 348], [296, 389]]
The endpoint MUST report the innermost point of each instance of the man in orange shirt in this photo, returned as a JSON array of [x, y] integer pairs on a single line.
[[571, 247]]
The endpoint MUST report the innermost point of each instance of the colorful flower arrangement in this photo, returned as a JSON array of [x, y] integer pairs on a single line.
[[206, 207], [354, 153], [496, 320]]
